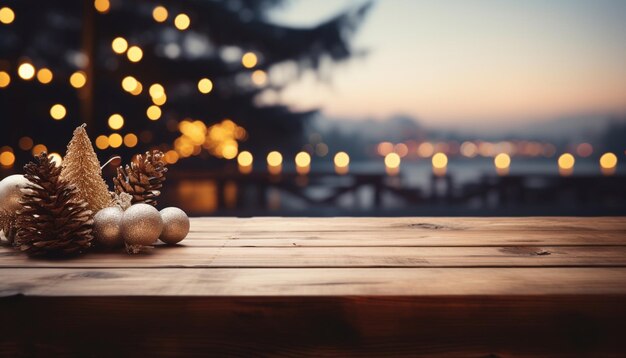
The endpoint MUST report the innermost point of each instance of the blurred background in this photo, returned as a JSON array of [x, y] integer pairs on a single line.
[[325, 108]]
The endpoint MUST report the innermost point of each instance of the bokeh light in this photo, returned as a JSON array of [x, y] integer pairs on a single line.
[[130, 140], [502, 161], [5, 79], [566, 161], [56, 158], [25, 143], [44, 76], [182, 21], [102, 6], [134, 54], [129, 83], [156, 90], [274, 159], [78, 79], [608, 160], [392, 160], [26, 71], [115, 140], [58, 112], [245, 159], [159, 14], [302, 159], [439, 160], [205, 85], [153, 112], [341, 159], [116, 121], [39, 148], [249, 60], [7, 15], [119, 45], [7, 159], [259, 77], [102, 142]]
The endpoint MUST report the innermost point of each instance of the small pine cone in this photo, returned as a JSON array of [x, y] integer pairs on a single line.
[[143, 178], [8, 225], [54, 220]]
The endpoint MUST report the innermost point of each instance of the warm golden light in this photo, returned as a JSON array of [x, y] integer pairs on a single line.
[[102, 6], [274, 159], [129, 83], [425, 150], [39, 148], [26, 71], [115, 140], [153, 113], [384, 148], [245, 159], [566, 161], [171, 157], [58, 112], [102, 142], [249, 60], [392, 160], [116, 122], [259, 77], [502, 161], [78, 79], [182, 21], [56, 158], [134, 54], [342, 159], [205, 85], [159, 14], [130, 140], [303, 159], [119, 45], [159, 101], [230, 150], [5, 79], [608, 160], [138, 89], [439, 160], [469, 149], [156, 90], [6, 15], [44, 76], [25, 143], [7, 159]]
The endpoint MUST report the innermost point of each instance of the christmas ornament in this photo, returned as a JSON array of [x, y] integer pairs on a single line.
[[10, 192], [54, 220], [143, 178], [107, 227], [141, 226], [175, 225], [121, 200], [82, 169]]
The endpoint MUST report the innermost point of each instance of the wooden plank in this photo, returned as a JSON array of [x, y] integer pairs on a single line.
[[312, 282], [451, 325], [571, 256]]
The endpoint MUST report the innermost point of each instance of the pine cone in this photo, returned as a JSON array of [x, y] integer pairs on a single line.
[[53, 220], [8, 225], [142, 178]]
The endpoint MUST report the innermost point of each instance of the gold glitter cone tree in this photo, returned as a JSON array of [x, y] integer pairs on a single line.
[[53, 220], [81, 168]]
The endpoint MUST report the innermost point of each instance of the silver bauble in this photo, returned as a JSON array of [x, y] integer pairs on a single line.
[[175, 225], [107, 227], [11, 193], [141, 225]]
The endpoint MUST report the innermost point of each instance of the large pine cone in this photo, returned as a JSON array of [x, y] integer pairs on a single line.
[[143, 178]]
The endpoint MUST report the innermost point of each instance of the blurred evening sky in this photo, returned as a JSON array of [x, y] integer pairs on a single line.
[[474, 64]]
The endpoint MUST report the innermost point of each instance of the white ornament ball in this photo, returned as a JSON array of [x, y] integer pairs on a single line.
[[175, 225], [141, 225], [107, 227], [11, 193]]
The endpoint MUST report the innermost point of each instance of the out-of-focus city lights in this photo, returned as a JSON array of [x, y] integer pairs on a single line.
[[116, 122], [58, 112], [392, 163], [230, 149], [25, 143], [205, 85], [303, 163], [584, 150], [566, 164], [7, 15], [384, 148], [153, 112], [156, 90], [119, 45], [38, 149], [182, 21], [102, 6], [129, 83], [341, 161], [321, 149], [608, 163], [56, 158], [259, 77], [130, 140], [26, 71], [115, 140], [5, 79], [274, 159], [401, 149], [137, 90], [44, 76], [469, 149], [171, 157], [134, 54], [440, 163], [245, 158], [7, 159], [502, 162], [102, 142], [159, 13], [159, 101], [78, 79], [249, 60], [425, 150]]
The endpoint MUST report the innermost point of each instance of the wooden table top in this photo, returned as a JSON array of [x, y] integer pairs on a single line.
[[525, 276]]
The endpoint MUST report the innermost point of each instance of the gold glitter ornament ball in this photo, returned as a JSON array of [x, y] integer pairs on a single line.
[[107, 227], [175, 225], [141, 225], [11, 192]]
